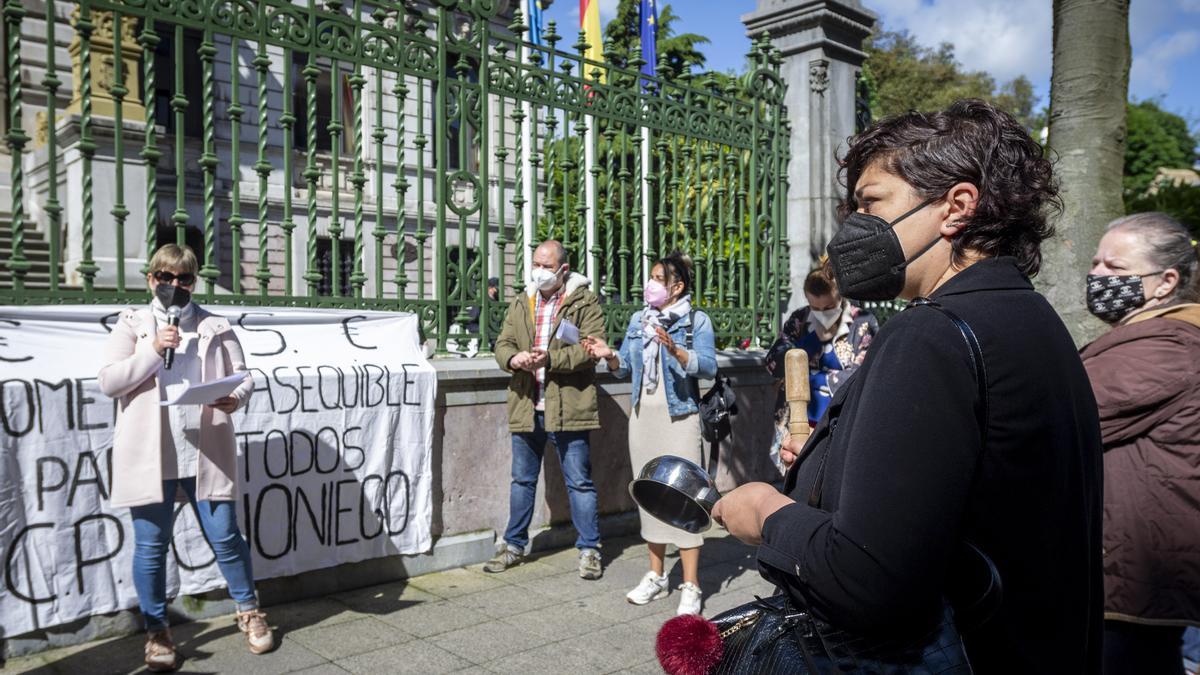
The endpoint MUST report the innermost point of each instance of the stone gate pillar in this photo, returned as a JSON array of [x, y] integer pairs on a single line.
[[821, 42]]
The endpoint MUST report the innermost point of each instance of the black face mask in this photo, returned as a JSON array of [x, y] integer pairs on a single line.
[[170, 294], [867, 258], [1111, 296]]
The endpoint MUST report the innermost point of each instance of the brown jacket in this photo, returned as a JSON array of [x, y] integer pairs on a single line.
[[570, 395], [130, 375], [1146, 376]]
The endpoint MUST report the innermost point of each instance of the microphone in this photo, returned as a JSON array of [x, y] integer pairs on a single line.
[[172, 320]]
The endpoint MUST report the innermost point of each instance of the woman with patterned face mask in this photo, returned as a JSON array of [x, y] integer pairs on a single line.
[[835, 334], [666, 348], [1145, 372]]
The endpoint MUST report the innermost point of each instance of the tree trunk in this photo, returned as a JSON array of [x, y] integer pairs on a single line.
[[1088, 87]]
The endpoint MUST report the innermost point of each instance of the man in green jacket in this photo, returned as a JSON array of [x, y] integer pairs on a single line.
[[551, 396]]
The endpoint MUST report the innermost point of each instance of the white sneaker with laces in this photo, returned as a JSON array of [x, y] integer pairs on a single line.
[[651, 587], [258, 632], [689, 599]]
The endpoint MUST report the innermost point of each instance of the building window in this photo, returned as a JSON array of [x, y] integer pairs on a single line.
[[460, 124], [324, 106], [193, 237], [4, 84], [164, 81], [325, 265]]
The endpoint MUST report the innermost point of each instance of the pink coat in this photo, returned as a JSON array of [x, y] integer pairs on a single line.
[[130, 375]]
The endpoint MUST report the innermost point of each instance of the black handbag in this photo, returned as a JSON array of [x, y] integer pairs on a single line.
[[716, 407], [771, 635], [774, 635]]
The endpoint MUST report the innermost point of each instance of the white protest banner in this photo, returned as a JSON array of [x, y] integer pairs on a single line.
[[333, 456]]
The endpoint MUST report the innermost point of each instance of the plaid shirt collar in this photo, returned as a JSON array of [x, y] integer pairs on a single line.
[[544, 313]]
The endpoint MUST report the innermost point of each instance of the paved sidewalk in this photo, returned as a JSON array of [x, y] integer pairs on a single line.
[[539, 617]]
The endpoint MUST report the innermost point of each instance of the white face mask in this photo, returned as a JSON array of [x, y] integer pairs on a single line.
[[542, 278], [827, 317]]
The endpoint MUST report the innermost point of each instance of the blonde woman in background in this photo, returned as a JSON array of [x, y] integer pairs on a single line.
[[835, 334]]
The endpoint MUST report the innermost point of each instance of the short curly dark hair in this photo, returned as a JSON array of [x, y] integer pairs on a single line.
[[975, 142]]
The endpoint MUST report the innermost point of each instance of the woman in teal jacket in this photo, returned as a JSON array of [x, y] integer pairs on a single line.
[[666, 348]]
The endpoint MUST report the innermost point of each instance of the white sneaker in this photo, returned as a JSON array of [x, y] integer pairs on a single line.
[[652, 587], [258, 632], [689, 599]]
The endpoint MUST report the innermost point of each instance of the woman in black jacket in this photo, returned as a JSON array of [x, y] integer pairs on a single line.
[[911, 459]]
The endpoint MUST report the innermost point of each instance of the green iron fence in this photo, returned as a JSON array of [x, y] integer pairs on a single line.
[[381, 155]]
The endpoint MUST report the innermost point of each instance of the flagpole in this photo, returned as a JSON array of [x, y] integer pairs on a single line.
[[648, 39], [529, 185], [647, 202], [528, 182], [589, 160], [591, 40]]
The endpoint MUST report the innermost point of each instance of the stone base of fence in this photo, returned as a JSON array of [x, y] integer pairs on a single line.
[[471, 446]]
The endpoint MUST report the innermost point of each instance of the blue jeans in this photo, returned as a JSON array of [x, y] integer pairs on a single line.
[[152, 527], [573, 454]]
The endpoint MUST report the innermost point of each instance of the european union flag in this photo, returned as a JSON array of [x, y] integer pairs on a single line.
[[649, 38], [534, 12]]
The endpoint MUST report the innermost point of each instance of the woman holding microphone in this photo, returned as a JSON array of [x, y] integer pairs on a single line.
[[665, 401], [164, 454]]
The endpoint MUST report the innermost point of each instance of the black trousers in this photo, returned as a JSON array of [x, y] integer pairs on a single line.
[[1137, 649]]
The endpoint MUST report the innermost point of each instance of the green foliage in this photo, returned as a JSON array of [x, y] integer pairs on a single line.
[[680, 51], [558, 218], [902, 75], [1181, 202], [1154, 139], [679, 60]]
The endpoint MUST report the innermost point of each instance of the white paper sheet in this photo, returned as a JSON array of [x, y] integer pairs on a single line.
[[568, 332], [202, 393]]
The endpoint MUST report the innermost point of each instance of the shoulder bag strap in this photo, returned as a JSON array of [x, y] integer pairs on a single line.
[[976, 354], [714, 451], [977, 364]]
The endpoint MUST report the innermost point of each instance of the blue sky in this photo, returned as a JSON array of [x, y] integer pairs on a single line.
[[1006, 38]]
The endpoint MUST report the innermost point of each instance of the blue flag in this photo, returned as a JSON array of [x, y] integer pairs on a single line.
[[534, 12], [649, 38]]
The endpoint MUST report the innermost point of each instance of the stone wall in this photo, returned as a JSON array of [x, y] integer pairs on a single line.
[[472, 445]]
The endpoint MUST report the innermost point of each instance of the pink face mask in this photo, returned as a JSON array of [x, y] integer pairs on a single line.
[[655, 294]]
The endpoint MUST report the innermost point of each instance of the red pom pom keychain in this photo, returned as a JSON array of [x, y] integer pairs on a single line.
[[689, 645]]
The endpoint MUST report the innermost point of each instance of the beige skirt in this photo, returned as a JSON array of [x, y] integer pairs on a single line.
[[653, 433]]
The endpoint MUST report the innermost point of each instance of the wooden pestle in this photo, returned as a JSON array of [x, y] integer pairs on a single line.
[[795, 378]]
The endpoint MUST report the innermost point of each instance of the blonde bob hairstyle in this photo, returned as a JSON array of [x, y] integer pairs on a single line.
[[174, 257]]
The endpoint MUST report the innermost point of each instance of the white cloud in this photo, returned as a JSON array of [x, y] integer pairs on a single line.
[[1148, 19], [1006, 39], [1150, 74]]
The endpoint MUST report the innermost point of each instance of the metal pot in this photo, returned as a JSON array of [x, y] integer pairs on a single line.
[[677, 492]]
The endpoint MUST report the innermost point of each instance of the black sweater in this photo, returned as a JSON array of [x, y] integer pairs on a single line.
[[905, 480]]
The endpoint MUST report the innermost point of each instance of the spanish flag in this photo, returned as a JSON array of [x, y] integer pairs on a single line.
[[589, 23]]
